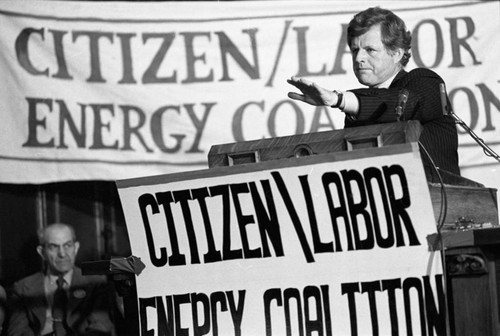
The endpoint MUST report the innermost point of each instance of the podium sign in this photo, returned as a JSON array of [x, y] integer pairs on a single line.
[[322, 245]]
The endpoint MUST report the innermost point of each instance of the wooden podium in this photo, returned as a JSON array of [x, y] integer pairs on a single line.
[[466, 200], [467, 211], [314, 143]]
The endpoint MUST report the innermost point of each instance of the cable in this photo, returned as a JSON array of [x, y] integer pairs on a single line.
[[444, 198], [439, 237]]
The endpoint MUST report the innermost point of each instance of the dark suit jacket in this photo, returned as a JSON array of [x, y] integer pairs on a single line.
[[87, 306], [439, 135]]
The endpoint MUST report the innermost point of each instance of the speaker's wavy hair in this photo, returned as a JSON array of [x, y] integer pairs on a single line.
[[393, 28]]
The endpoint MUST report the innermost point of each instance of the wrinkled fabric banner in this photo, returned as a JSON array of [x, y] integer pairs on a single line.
[[107, 91]]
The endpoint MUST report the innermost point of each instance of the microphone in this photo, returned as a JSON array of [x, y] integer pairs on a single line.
[[444, 100], [400, 107]]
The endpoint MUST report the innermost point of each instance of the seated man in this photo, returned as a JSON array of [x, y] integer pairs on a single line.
[[380, 48], [60, 300]]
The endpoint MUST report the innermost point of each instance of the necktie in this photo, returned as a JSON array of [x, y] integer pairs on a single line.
[[59, 308]]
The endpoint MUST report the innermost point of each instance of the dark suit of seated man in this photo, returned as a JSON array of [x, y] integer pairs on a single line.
[[84, 300], [380, 48]]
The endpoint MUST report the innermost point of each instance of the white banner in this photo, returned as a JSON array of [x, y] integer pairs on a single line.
[[111, 90], [288, 247]]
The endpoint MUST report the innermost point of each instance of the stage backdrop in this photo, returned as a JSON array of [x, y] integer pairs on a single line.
[[322, 245], [111, 90]]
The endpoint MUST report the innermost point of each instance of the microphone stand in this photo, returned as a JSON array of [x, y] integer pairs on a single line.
[[486, 149], [448, 110]]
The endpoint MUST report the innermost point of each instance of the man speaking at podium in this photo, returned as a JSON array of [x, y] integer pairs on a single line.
[[380, 48]]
